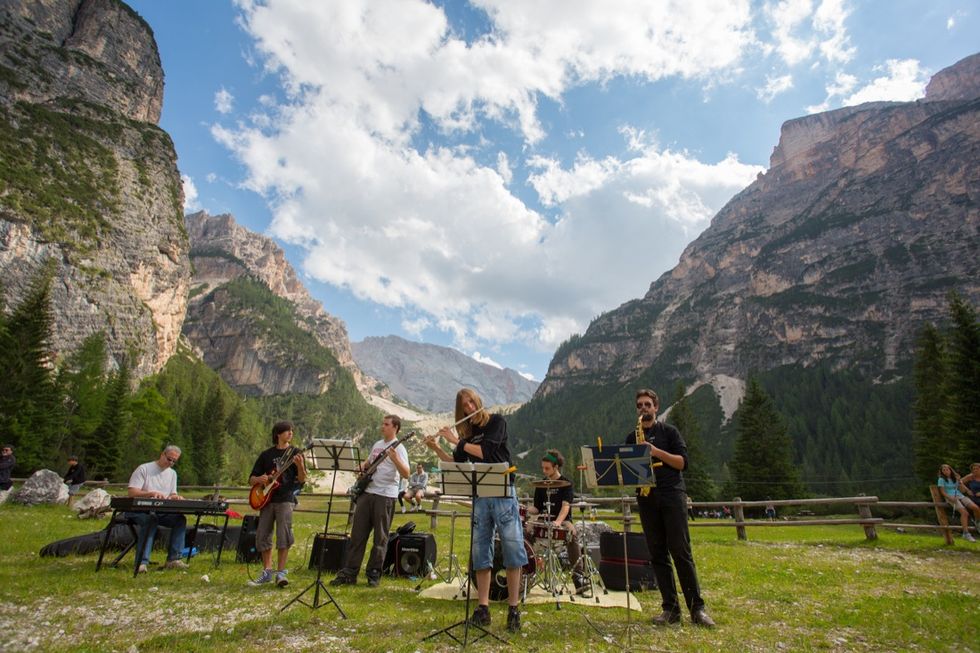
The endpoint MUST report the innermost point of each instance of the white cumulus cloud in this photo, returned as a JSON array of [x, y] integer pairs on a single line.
[[224, 101], [903, 81], [190, 194], [437, 231]]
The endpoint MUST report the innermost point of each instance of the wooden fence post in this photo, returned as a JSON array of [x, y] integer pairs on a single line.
[[739, 514], [940, 504], [864, 511], [434, 517]]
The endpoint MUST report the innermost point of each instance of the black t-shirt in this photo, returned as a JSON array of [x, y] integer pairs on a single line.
[[557, 496], [75, 474], [492, 438], [666, 437], [288, 485]]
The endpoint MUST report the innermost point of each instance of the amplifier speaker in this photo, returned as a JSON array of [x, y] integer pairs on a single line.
[[613, 574], [415, 554], [329, 551], [611, 546], [612, 567], [246, 551]]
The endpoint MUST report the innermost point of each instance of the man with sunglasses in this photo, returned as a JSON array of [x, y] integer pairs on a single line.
[[663, 513], [158, 480]]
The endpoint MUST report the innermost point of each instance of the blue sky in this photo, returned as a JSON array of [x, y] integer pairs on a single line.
[[491, 175]]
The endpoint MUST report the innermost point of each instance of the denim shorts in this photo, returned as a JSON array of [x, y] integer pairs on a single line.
[[498, 515]]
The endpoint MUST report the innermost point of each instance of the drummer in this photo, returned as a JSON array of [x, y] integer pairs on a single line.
[[557, 490]]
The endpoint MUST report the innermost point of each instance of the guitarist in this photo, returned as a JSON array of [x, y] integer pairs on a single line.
[[279, 509], [375, 508]]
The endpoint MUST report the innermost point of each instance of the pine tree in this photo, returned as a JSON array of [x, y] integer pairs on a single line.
[[928, 429], [104, 448], [697, 478], [30, 412], [83, 387], [763, 463], [961, 415]]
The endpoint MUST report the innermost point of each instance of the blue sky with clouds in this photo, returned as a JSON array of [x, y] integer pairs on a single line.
[[491, 175]]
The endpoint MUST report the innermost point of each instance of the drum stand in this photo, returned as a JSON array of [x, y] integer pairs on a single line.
[[554, 580], [588, 571], [455, 572]]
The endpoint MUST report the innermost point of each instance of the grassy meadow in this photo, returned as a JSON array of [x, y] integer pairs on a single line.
[[816, 588]]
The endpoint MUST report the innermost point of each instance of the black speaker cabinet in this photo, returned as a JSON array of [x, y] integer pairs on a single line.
[[611, 546], [246, 551], [613, 574], [612, 566], [415, 554], [329, 551]]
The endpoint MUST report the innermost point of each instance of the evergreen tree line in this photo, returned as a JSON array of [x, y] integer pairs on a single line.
[[946, 423], [80, 405]]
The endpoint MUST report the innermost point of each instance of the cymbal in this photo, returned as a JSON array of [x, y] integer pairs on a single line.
[[548, 483], [584, 504]]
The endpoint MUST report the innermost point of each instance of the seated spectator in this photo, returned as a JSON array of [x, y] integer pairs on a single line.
[[74, 478], [770, 510], [417, 483], [948, 483], [970, 484]]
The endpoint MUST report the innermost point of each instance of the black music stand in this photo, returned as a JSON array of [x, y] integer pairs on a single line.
[[624, 466], [335, 456], [475, 480]]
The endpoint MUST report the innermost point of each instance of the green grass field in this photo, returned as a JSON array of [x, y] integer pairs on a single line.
[[786, 589]]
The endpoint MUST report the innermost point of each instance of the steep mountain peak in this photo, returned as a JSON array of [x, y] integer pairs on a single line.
[[961, 81], [222, 251]]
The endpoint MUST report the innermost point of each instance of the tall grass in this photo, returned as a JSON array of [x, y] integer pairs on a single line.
[[787, 589]]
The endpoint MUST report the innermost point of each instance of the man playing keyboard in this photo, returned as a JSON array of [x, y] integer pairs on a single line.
[[158, 480]]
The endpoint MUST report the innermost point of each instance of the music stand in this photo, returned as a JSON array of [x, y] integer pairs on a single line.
[[336, 456], [624, 466], [475, 480]]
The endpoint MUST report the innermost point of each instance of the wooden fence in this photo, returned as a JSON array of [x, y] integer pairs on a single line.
[[625, 506]]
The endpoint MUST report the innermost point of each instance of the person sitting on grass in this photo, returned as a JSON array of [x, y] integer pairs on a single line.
[[948, 483]]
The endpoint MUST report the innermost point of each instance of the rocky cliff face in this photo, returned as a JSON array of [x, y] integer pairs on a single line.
[[222, 251], [867, 217], [87, 179], [429, 376]]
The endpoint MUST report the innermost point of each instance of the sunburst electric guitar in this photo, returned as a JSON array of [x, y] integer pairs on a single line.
[[260, 494]]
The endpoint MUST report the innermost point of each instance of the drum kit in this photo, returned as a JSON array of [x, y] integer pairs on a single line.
[[546, 568]]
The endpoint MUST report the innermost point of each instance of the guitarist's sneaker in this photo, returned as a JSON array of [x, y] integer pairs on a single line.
[[281, 579], [264, 578]]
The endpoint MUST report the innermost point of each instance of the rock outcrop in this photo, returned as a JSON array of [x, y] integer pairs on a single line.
[[428, 376], [89, 181], [867, 217], [222, 251]]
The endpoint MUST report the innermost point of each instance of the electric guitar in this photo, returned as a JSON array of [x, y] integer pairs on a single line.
[[364, 479], [260, 494]]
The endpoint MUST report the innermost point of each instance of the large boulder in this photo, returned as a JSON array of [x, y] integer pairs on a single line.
[[44, 486], [93, 504]]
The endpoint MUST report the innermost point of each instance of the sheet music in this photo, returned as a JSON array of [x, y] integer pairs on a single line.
[[493, 479]]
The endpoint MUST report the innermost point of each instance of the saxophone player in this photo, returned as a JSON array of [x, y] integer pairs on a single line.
[[663, 513]]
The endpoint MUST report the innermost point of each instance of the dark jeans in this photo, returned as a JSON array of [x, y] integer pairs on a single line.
[[148, 522], [664, 518], [372, 512]]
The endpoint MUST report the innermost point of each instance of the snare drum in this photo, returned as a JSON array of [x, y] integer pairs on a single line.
[[540, 531]]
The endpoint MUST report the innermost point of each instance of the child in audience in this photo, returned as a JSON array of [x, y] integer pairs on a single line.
[[949, 482]]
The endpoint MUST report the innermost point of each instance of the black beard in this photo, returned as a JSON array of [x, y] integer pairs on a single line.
[[647, 418]]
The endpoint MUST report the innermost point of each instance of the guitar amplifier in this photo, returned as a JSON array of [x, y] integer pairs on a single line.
[[246, 551], [613, 568], [415, 554], [329, 551]]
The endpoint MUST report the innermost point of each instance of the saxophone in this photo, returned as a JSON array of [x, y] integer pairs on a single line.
[[640, 439]]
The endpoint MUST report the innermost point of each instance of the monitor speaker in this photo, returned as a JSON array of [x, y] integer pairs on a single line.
[[415, 554], [329, 551], [246, 551]]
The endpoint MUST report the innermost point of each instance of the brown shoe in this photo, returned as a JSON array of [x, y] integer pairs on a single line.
[[701, 618], [667, 617]]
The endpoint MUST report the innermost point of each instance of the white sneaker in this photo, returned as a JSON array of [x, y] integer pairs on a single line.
[[403, 510], [176, 564], [969, 538]]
